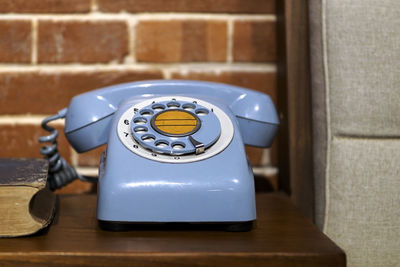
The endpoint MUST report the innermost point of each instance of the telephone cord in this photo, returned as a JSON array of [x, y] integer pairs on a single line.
[[60, 173]]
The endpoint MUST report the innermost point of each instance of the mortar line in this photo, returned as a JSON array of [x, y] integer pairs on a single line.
[[34, 41], [166, 74], [230, 33], [94, 6], [132, 39], [265, 170], [266, 157], [269, 67], [26, 120], [95, 15], [74, 157], [92, 171]]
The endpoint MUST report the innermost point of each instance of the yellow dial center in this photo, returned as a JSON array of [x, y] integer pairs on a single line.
[[175, 123]]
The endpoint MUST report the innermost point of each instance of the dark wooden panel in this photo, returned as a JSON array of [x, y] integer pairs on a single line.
[[283, 237], [294, 104]]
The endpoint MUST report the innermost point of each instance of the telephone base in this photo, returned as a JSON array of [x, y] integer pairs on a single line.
[[176, 226]]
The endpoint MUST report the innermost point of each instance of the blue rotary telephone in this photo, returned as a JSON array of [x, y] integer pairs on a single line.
[[175, 150]]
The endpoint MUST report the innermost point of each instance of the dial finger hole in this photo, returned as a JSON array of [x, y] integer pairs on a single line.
[[146, 112], [162, 144], [140, 129], [189, 106], [201, 111], [178, 146], [158, 107], [148, 138], [140, 120], [173, 104]]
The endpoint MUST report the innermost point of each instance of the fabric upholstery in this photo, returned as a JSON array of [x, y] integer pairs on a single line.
[[355, 58], [363, 212]]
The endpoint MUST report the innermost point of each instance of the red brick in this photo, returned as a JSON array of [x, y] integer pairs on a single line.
[[15, 41], [22, 141], [254, 41], [92, 157], [206, 6], [85, 42], [44, 6], [181, 41], [261, 81], [255, 155], [48, 92]]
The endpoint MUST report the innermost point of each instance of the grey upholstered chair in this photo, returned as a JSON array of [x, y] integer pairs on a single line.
[[355, 58]]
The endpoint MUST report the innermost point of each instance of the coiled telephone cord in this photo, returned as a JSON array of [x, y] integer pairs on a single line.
[[60, 173]]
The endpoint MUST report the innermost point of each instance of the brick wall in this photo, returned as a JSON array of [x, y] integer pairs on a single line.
[[51, 50]]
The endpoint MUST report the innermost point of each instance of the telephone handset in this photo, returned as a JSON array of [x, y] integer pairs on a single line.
[[175, 149]]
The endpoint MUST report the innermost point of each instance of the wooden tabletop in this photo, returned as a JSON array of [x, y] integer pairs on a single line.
[[282, 237]]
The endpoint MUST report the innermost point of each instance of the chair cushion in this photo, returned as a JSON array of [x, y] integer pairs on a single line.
[[355, 65]]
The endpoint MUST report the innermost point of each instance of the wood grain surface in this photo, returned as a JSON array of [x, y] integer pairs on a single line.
[[294, 105], [282, 237]]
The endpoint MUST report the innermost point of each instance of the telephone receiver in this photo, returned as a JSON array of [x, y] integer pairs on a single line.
[[175, 150]]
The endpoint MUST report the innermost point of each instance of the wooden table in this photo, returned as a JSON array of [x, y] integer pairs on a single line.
[[282, 237]]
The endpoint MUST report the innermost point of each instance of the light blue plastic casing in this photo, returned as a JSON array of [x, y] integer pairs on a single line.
[[136, 189]]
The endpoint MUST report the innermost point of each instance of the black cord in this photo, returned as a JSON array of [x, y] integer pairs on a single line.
[[60, 173]]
